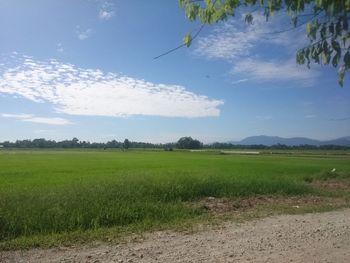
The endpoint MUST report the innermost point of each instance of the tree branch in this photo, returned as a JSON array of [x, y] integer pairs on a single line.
[[180, 46]]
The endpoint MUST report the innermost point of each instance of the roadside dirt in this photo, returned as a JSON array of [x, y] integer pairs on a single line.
[[331, 184], [319, 237], [242, 206]]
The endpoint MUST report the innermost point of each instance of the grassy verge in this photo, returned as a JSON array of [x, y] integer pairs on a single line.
[[207, 218]]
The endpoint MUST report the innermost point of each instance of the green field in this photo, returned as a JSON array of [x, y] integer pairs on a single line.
[[61, 193]]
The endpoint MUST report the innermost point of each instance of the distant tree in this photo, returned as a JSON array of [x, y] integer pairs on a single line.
[[126, 144], [114, 144], [326, 22], [75, 142], [188, 143], [168, 147]]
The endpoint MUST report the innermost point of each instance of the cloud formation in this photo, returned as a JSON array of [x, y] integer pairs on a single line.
[[106, 11], [274, 70], [339, 119], [91, 92], [83, 34], [241, 45], [239, 81], [235, 39], [264, 117], [60, 47], [35, 119]]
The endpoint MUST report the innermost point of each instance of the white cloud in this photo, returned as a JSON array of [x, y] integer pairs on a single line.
[[339, 119], [310, 116], [235, 39], [60, 47], [252, 49], [226, 42], [17, 116], [239, 81], [35, 119], [83, 34], [103, 14], [274, 70], [106, 11], [264, 117], [50, 121], [78, 91]]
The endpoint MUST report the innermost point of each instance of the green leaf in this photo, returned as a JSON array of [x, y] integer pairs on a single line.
[[347, 60], [325, 46], [192, 12], [325, 59], [182, 3], [341, 75], [308, 28], [318, 52], [311, 29], [208, 2], [338, 28], [336, 46], [323, 32], [330, 9], [249, 18], [331, 28], [300, 57], [345, 22], [188, 39], [313, 52], [335, 60], [307, 56], [347, 4]]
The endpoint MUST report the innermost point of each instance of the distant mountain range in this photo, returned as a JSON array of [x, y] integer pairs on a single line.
[[272, 140]]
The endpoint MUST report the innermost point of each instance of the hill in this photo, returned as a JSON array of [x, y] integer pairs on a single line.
[[295, 141]]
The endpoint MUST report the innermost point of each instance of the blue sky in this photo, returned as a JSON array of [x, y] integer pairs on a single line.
[[85, 69]]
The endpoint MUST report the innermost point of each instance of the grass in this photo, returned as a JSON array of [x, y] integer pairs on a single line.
[[49, 197]]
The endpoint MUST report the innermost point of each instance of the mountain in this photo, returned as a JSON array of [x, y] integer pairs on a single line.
[[272, 140], [344, 141]]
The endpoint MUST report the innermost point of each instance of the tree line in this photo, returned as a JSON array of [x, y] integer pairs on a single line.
[[182, 143], [277, 146], [76, 143]]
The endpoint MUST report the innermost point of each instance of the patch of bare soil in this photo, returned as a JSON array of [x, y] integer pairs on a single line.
[[220, 206], [331, 184], [318, 237]]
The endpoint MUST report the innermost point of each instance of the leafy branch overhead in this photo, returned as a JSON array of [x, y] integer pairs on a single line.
[[327, 25], [188, 39]]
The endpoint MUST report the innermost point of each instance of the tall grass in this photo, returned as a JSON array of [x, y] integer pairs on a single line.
[[45, 192]]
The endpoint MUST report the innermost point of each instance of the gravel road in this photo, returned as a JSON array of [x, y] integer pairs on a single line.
[[320, 237]]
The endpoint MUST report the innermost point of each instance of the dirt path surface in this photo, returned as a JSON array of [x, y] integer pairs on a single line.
[[321, 237]]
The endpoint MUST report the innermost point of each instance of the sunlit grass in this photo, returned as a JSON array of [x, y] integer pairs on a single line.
[[53, 192]]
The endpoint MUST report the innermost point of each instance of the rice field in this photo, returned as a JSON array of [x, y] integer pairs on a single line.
[[55, 192]]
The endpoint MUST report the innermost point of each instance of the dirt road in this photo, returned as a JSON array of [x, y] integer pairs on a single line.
[[322, 237]]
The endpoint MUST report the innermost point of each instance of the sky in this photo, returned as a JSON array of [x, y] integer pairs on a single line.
[[86, 69]]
